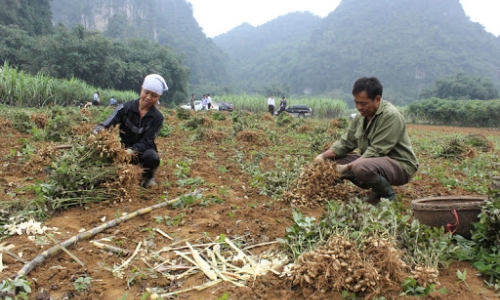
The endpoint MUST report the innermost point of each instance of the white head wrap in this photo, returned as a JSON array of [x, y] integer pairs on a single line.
[[155, 83]]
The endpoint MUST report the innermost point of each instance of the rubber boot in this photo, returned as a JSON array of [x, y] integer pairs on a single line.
[[149, 178], [381, 188]]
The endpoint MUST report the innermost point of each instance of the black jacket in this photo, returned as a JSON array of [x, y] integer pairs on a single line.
[[135, 133]]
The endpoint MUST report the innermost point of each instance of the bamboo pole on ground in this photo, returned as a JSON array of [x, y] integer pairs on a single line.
[[90, 233]]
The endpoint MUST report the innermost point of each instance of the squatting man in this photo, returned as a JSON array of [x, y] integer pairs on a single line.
[[379, 133], [140, 122]]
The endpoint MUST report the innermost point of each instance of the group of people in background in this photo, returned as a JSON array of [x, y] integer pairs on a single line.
[[271, 104], [97, 101], [206, 102]]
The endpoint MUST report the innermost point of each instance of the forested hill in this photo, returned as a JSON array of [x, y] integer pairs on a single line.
[[170, 22], [260, 52], [408, 44]]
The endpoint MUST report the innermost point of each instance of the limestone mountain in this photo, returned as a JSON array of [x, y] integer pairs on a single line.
[[260, 55], [408, 44]]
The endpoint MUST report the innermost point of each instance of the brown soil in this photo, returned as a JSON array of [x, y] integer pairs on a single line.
[[245, 213]]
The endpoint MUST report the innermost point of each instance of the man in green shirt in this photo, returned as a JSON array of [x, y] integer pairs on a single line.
[[379, 133]]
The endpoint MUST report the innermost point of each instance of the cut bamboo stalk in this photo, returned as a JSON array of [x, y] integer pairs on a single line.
[[66, 251], [164, 234], [202, 264], [113, 249], [90, 233]]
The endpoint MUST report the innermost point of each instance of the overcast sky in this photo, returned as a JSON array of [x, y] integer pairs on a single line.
[[219, 16]]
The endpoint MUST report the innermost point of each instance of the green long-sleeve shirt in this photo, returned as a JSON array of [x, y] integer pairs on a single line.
[[385, 135]]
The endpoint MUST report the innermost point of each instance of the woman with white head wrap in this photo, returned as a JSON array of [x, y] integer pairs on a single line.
[[140, 121]]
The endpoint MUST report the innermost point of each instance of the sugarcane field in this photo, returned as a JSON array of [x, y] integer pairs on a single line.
[[240, 211]]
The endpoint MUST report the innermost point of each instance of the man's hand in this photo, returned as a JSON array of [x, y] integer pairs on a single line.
[[129, 152], [341, 169], [319, 158]]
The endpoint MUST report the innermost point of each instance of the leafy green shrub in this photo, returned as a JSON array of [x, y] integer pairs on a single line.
[[22, 121], [194, 122], [478, 141], [342, 123], [183, 114], [15, 289], [218, 115], [165, 131], [483, 250], [59, 128], [244, 121], [284, 119]]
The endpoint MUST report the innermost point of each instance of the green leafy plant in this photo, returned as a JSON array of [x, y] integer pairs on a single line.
[[462, 277], [186, 201], [411, 288], [171, 221], [224, 296], [15, 289], [190, 181], [82, 284]]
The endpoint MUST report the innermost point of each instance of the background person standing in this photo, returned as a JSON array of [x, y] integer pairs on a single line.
[[271, 104], [282, 106], [191, 101]]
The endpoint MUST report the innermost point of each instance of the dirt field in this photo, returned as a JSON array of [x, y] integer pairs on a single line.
[[244, 214]]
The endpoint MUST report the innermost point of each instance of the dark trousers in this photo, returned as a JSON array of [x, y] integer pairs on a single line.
[[367, 170], [150, 161], [271, 109]]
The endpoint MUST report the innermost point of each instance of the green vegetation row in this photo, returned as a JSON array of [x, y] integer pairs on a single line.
[[322, 107], [20, 89], [455, 112]]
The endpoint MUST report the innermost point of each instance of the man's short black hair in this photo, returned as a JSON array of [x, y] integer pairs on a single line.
[[371, 86]]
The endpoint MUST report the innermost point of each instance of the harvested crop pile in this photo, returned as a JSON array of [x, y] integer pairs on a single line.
[[374, 268], [41, 159], [455, 149], [317, 184], [4, 124], [207, 122], [97, 171], [305, 128], [256, 137], [267, 117], [40, 120], [215, 135], [479, 142], [82, 128]]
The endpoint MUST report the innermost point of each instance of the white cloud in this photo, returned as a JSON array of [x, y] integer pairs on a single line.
[[484, 12], [219, 16]]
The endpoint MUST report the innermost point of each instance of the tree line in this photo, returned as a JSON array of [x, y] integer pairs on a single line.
[[94, 58]]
